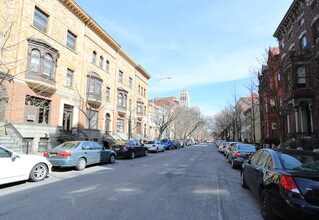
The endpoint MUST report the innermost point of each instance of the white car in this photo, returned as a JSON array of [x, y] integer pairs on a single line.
[[18, 167], [155, 146]]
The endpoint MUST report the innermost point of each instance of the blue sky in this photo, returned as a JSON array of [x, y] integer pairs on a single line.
[[207, 47]]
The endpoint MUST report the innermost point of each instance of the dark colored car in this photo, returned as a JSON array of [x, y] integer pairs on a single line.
[[130, 149], [175, 144], [79, 154], [240, 152], [285, 181], [166, 142]]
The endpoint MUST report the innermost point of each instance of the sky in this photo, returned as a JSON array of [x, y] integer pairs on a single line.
[[211, 48]]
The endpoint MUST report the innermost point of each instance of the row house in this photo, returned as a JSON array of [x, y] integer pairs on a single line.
[[298, 37], [64, 78], [248, 122], [270, 99]]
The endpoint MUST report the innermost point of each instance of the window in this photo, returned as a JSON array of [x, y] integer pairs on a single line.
[[107, 66], [40, 20], [69, 78], [120, 125], [94, 86], [71, 40], [130, 82], [91, 119], [42, 59], [107, 94], [120, 77], [144, 92], [301, 75], [35, 61], [255, 157], [139, 89], [278, 76], [101, 62], [37, 110], [121, 99], [303, 42], [263, 159], [94, 57], [140, 107], [301, 21], [47, 65]]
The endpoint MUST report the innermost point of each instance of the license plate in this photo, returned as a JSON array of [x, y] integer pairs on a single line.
[[53, 154], [117, 148]]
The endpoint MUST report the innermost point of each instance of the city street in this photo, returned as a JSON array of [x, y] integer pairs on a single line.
[[190, 183]]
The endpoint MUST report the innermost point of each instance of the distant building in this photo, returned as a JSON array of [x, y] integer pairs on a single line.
[[184, 98]]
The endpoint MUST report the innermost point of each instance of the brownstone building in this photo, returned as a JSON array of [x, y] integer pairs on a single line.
[[62, 77], [298, 37]]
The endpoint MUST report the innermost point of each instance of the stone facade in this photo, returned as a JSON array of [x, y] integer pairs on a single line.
[[298, 37], [66, 73]]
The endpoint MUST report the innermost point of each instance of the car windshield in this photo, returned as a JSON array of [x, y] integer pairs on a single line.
[[150, 142], [67, 146], [301, 162], [246, 147]]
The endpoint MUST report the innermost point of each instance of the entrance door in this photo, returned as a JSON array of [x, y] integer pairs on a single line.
[[67, 117]]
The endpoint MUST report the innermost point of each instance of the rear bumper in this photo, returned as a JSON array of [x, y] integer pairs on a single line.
[[62, 162], [123, 153], [293, 208]]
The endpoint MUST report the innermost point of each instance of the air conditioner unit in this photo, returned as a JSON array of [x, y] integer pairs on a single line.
[[30, 117]]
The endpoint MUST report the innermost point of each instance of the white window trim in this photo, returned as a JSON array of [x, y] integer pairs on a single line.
[[302, 34]]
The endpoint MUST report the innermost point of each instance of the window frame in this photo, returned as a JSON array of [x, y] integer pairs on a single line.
[[120, 125], [301, 76], [120, 76], [94, 54], [71, 36], [39, 13], [69, 72]]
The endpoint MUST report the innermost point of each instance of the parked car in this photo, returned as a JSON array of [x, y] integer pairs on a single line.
[[285, 181], [239, 153], [222, 146], [166, 142], [228, 148], [130, 149], [18, 167], [79, 154], [175, 144], [154, 146]]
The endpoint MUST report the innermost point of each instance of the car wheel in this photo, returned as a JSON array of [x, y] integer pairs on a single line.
[[132, 155], [163, 149], [243, 182], [81, 164], [264, 206], [112, 159], [156, 150], [146, 153], [38, 172], [233, 164]]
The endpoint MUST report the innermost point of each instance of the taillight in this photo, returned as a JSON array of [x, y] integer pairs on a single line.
[[288, 183], [126, 148], [65, 154], [238, 154], [45, 154]]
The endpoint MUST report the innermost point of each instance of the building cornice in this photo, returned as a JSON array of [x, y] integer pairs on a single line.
[[288, 18], [91, 23]]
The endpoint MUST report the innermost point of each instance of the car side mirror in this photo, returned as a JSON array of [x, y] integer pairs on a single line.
[[14, 156]]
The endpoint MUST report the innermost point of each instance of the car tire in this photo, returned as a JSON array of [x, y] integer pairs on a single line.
[[145, 153], [243, 182], [264, 206], [163, 149], [81, 164], [111, 159], [38, 172], [157, 150], [132, 155], [233, 164]]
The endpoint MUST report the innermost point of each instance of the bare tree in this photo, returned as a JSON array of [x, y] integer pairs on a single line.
[[165, 118]]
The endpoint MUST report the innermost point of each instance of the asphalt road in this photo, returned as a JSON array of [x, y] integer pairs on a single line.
[[190, 183]]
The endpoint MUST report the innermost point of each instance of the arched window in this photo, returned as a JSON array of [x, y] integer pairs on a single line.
[[35, 60], [94, 57], [48, 65], [107, 66], [101, 61]]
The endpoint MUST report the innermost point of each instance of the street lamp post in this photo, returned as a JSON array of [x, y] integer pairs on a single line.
[[153, 102]]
